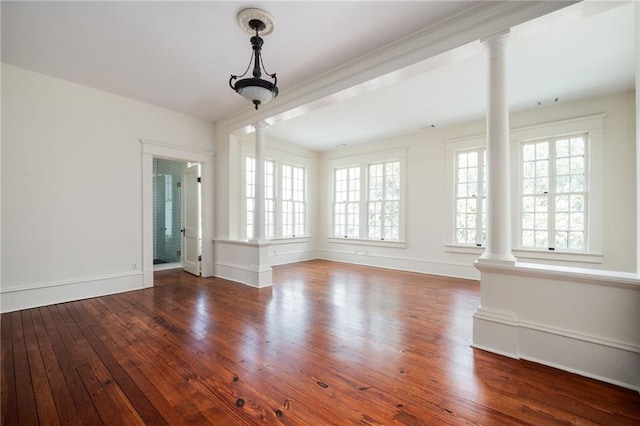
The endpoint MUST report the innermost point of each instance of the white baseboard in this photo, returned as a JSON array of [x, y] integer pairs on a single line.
[[244, 274], [425, 266], [610, 361], [32, 296], [292, 257]]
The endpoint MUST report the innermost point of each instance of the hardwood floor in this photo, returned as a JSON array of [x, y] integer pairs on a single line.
[[330, 343]]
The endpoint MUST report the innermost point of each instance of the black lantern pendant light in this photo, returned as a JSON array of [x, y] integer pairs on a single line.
[[255, 89]]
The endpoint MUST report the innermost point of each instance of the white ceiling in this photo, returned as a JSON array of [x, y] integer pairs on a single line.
[[179, 55]]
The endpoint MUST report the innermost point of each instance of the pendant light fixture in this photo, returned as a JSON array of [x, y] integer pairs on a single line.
[[255, 89]]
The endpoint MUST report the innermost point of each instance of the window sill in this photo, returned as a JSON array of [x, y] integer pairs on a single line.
[[365, 242], [566, 256], [561, 256], [290, 240], [455, 248]]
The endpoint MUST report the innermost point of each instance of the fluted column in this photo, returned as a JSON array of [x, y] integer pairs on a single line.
[[498, 161], [258, 207]]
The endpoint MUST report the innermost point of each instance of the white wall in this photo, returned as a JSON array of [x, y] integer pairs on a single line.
[[426, 215], [72, 186]]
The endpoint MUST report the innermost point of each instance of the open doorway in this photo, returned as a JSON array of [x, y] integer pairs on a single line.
[[202, 184], [176, 215], [167, 213]]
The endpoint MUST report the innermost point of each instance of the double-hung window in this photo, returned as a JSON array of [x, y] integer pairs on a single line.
[[269, 195], [346, 202], [471, 197], [294, 209], [367, 198], [554, 193], [285, 193], [383, 204]]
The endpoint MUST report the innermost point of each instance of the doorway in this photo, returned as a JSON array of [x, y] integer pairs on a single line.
[[151, 151], [167, 213]]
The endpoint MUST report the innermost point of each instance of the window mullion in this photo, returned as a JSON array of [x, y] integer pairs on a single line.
[[383, 201], [364, 200], [551, 201], [479, 210]]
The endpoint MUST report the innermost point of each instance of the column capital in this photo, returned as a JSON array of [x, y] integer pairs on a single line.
[[260, 125], [497, 40]]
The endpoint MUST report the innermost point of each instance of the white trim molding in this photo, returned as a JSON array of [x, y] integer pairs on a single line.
[[42, 294], [363, 256], [244, 262], [576, 319], [154, 149]]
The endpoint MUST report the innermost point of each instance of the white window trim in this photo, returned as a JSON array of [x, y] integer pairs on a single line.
[[279, 157], [591, 124], [279, 199], [452, 148], [363, 162]]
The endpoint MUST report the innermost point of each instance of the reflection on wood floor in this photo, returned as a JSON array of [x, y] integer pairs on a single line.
[[329, 343]]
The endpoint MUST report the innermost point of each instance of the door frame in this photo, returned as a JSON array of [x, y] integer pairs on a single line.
[[151, 150]]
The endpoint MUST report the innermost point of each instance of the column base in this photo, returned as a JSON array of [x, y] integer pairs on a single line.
[[497, 259]]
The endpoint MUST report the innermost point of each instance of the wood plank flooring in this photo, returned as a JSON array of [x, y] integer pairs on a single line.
[[330, 343]]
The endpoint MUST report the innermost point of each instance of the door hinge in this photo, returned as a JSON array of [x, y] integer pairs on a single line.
[[199, 179], [179, 184], [199, 258], [179, 253]]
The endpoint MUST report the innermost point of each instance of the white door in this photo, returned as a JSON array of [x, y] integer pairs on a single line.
[[191, 219]]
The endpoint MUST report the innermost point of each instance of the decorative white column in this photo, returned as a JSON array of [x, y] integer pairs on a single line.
[[498, 168], [637, 44], [258, 207]]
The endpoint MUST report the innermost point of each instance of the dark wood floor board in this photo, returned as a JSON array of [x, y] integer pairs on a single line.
[[88, 325], [59, 389], [112, 405], [9, 408], [27, 412], [63, 347], [329, 343], [45, 404]]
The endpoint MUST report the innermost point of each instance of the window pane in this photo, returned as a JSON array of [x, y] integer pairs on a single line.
[[527, 238], [577, 146], [576, 240], [541, 239], [562, 148], [542, 150], [562, 221], [529, 152], [562, 239], [576, 221]]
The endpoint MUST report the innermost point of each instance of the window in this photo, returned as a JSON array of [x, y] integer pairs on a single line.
[[285, 195], [554, 193], [471, 197], [346, 202], [293, 201], [383, 207], [269, 194], [367, 198]]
